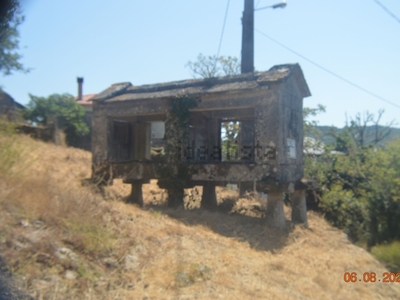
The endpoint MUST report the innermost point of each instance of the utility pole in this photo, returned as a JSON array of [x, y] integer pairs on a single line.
[[247, 64], [248, 34]]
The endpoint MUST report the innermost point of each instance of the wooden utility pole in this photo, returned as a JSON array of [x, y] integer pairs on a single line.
[[247, 64]]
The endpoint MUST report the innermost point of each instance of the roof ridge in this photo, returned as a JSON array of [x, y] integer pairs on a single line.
[[276, 74]]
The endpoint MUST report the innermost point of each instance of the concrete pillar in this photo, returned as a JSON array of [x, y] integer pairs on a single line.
[[275, 214], [209, 197], [299, 207], [175, 197], [136, 195]]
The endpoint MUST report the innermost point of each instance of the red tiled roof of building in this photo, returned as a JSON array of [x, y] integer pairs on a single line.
[[86, 99]]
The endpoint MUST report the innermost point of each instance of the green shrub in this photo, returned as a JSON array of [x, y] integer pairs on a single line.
[[345, 211], [89, 237], [388, 254]]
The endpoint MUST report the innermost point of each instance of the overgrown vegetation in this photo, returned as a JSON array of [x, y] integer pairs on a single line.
[[57, 225], [62, 240], [10, 19], [389, 254], [174, 172], [59, 110], [213, 66], [229, 140], [8, 155], [358, 185], [11, 151], [180, 109]]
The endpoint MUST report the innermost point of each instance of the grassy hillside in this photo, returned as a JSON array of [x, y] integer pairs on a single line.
[[65, 240]]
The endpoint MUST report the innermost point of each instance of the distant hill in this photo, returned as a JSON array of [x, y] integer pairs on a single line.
[[328, 138]]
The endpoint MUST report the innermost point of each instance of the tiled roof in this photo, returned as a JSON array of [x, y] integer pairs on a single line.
[[86, 99], [125, 91], [4, 97]]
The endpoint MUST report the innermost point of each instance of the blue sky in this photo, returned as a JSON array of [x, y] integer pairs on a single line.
[[148, 42]]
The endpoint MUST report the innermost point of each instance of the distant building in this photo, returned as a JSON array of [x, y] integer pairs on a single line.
[[10, 110], [314, 147]]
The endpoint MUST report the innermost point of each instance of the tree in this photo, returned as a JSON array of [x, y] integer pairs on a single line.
[[358, 188], [361, 133], [213, 66], [10, 19], [59, 108], [310, 125], [382, 186], [229, 140]]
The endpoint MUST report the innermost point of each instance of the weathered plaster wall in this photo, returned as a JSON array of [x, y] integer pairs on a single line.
[[290, 127], [267, 129], [100, 132]]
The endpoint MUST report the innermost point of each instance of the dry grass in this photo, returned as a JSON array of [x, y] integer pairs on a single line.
[[63, 240]]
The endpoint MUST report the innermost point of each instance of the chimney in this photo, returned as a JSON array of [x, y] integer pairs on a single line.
[[80, 84]]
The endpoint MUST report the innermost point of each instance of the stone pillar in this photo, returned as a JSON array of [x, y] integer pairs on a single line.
[[275, 214], [209, 197], [136, 195], [245, 187], [175, 197], [299, 207]]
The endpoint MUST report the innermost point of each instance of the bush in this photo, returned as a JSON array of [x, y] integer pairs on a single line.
[[345, 211], [388, 254], [61, 109]]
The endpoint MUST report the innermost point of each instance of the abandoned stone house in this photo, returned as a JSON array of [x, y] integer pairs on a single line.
[[245, 129]]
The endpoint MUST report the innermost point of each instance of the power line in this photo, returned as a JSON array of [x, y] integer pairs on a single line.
[[387, 10], [223, 29], [328, 71]]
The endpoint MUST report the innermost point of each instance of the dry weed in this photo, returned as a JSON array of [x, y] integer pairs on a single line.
[[64, 241]]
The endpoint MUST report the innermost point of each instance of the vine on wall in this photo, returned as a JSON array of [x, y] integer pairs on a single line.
[[180, 109], [175, 172]]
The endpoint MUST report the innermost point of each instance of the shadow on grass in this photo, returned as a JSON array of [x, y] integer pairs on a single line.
[[251, 230]]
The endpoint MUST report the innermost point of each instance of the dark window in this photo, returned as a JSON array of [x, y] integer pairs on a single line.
[[122, 141]]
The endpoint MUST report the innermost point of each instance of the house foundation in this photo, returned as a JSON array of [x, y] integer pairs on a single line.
[[175, 197], [275, 214], [136, 195], [209, 197], [299, 207], [245, 187]]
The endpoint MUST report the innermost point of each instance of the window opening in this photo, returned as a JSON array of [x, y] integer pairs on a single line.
[[237, 140], [122, 133], [196, 140], [157, 140]]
